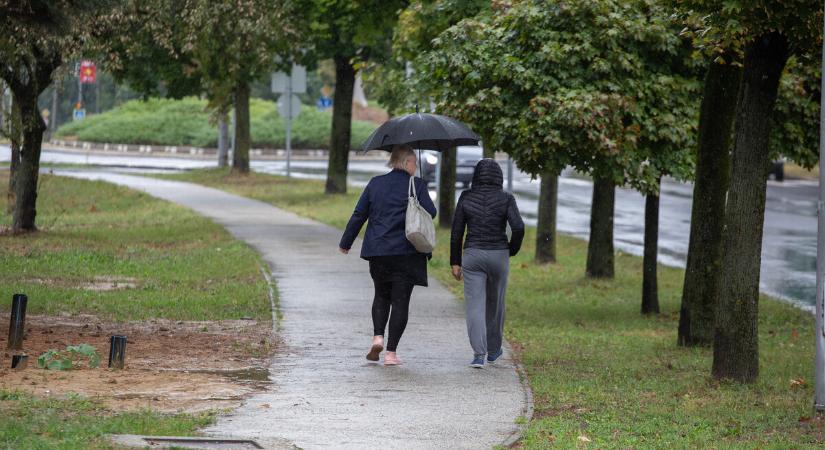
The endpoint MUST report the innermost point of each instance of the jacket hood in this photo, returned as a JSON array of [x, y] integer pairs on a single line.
[[488, 173]]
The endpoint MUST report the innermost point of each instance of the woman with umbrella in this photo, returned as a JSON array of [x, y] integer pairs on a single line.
[[395, 265]]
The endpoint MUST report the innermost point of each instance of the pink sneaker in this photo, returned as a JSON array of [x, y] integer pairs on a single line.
[[391, 359]]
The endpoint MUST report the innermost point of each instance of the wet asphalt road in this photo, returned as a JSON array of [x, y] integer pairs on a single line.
[[789, 244]]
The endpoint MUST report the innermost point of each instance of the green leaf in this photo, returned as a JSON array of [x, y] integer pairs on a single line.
[[45, 358], [59, 364]]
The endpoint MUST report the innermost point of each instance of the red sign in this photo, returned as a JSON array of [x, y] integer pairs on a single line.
[[88, 72]]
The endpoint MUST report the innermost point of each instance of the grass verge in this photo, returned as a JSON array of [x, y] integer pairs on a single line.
[[122, 255], [794, 171], [76, 422], [602, 375]]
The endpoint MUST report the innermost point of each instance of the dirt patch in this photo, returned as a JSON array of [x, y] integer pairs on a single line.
[[97, 284], [170, 366], [563, 409]]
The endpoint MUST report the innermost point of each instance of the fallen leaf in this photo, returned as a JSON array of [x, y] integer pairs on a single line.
[[583, 438], [798, 382], [265, 405]]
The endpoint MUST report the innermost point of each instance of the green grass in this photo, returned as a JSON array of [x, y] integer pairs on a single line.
[[185, 267], [75, 422], [147, 122], [597, 368]]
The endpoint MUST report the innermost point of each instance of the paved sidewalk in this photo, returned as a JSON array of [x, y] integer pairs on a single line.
[[325, 394]]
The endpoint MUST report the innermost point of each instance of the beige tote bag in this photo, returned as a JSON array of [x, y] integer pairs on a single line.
[[420, 229]]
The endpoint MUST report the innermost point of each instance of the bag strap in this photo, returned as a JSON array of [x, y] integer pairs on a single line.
[[411, 189]]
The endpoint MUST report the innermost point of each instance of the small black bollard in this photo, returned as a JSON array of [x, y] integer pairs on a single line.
[[18, 321], [19, 362], [117, 352]]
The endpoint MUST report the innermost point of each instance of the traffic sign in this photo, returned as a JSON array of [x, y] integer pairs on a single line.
[[285, 111], [297, 79], [324, 103], [88, 72]]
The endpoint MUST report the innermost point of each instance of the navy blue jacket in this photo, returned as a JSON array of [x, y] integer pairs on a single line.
[[384, 204]]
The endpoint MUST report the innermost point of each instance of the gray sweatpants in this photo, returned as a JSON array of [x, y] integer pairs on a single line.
[[485, 283]]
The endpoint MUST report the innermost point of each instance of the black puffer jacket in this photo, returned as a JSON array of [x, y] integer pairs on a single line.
[[485, 211]]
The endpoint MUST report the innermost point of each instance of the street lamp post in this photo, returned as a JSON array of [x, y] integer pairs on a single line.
[[819, 332]]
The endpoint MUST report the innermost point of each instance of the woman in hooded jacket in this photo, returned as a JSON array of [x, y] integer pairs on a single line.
[[482, 260]]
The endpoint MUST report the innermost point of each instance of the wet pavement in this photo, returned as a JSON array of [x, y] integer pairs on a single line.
[[324, 393], [789, 244]]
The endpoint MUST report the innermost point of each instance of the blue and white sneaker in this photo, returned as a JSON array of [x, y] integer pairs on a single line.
[[478, 362], [491, 357]]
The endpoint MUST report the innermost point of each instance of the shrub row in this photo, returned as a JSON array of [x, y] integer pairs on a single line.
[[187, 122]]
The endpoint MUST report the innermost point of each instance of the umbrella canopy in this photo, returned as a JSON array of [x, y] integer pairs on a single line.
[[421, 131]]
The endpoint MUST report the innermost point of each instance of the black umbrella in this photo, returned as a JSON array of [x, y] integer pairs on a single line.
[[421, 131]]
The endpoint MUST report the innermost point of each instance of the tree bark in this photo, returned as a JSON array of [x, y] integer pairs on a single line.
[[704, 259], [243, 140], [27, 172], [223, 140], [446, 191], [600, 245], [339, 146], [546, 226], [650, 290], [15, 129], [735, 344]]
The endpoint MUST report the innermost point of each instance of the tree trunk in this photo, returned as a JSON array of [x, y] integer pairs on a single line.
[[710, 189], [446, 191], [735, 344], [650, 290], [53, 115], [243, 140], [15, 129], [546, 226], [341, 127], [26, 173], [487, 150], [223, 140], [600, 246]]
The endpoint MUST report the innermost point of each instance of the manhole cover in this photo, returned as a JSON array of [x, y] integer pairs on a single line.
[[185, 442], [223, 444]]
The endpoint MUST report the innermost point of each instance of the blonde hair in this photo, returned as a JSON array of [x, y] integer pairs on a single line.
[[399, 157]]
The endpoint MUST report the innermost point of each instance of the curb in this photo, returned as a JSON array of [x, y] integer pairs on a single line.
[[528, 403], [189, 151]]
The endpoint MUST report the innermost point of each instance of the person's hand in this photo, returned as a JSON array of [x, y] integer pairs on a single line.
[[457, 272], [343, 250]]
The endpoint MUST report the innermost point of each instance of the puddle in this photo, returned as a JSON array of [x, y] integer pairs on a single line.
[[256, 377]]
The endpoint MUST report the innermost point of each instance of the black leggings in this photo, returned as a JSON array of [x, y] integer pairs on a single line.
[[393, 295]]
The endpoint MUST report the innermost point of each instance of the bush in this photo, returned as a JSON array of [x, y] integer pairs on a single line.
[[186, 122]]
